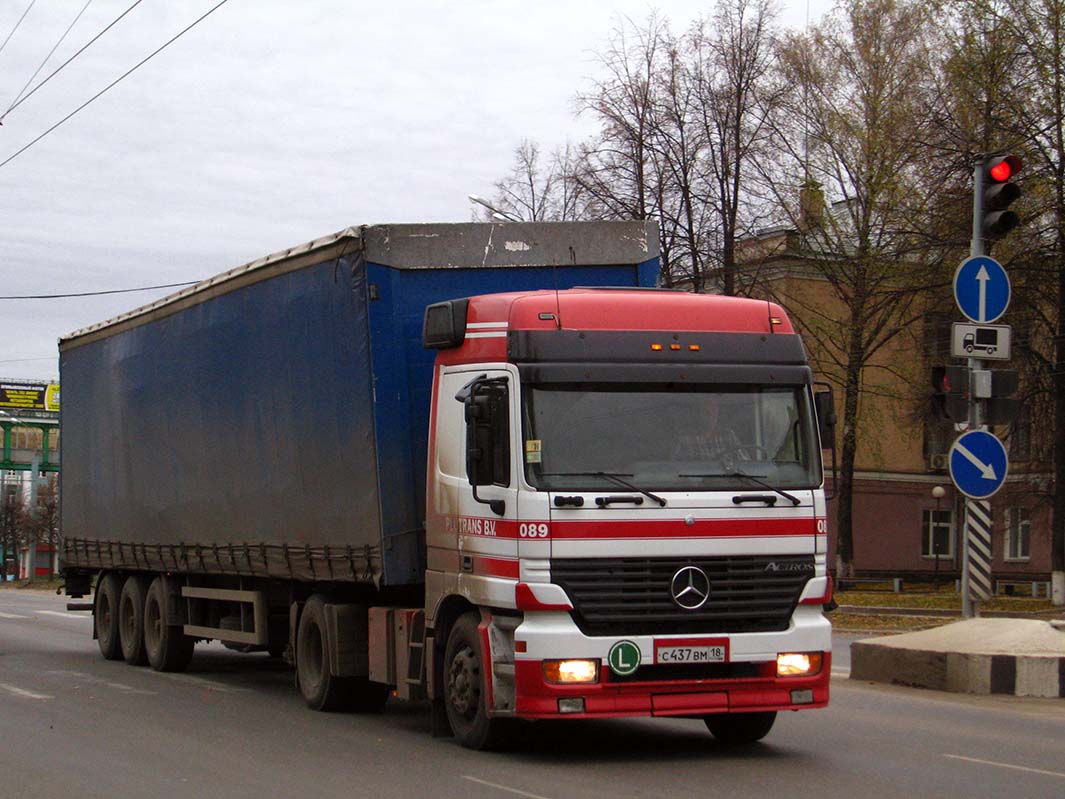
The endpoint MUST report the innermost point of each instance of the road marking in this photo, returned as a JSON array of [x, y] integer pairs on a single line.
[[841, 672], [503, 788], [200, 682], [12, 616], [91, 680], [64, 614], [11, 689], [1007, 765]]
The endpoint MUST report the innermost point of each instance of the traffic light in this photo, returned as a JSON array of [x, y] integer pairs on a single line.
[[997, 192], [1001, 406], [950, 399]]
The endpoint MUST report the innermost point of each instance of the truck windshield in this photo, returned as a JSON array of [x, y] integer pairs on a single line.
[[668, 437]]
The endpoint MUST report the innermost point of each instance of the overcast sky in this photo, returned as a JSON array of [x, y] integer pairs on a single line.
[[269, 124]]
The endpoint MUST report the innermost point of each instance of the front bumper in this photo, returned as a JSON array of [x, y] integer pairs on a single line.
[[746, 684], [538, 699]]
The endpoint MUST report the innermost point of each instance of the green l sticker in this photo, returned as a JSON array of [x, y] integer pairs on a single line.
[[624, 658]]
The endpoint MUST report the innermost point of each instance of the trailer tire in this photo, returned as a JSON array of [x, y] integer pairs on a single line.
[[321, 690], [464, 693], [166, 645], [740, 729], [105, 615], [131, 620]]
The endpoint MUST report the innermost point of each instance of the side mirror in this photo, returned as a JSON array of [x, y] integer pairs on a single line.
[[825, 407], [487, 414]]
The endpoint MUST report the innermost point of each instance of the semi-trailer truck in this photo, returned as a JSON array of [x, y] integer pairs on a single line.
[[486, 465]]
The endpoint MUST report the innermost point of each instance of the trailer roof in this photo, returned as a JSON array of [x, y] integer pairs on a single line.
[[413, 247]]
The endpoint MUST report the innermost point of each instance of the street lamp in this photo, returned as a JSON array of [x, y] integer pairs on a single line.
[[496, 213], [938, 492]]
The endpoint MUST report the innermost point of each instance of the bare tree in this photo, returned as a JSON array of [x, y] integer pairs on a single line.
[[734, 60], [536, 191], [852, 131]]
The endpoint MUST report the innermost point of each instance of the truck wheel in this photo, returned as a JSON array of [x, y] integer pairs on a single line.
[[131, 620], [464, 695], [105, 615], [167, 647], [321, 690], [738, 729]]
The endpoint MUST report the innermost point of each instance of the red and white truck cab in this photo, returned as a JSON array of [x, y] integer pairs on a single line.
[[627, 485]]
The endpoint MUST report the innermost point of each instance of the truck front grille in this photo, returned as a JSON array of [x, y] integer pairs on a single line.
[[631, 596]]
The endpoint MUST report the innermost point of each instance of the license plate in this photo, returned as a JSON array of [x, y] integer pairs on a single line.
[[691, 651]]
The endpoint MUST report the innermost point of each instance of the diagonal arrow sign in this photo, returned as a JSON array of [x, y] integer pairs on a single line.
[[982, 277], [987, 471]]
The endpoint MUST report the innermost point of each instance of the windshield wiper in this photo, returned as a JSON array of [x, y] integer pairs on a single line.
[[794, 500], [615, 476]]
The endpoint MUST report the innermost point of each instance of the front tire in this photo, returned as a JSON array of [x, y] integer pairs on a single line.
[[167, 647], [464, 687], [740, 729], [131, 620], [105, 615]]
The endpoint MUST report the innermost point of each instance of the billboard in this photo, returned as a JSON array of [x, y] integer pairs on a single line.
[[29, 396]]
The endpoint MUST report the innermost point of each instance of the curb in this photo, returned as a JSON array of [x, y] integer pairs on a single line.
[[1016, 675]]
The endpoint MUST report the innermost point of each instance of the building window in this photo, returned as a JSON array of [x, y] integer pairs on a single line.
[[1020, 437], [1018, 533], [937, 539]]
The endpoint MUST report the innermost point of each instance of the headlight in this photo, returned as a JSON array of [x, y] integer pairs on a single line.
[[798, 664], [571, 671]]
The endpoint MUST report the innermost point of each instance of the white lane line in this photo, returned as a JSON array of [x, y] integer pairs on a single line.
[[91, 680], [841, 672], [22, 692], [503, 788], [200, 682], [64, 614], [12, 616], [1007, 765]]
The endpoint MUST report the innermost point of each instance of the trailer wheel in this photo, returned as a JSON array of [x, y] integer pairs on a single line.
[[464, 694], [131, 620], [167, 647], [105, 615], [739, 729], [321, 690]]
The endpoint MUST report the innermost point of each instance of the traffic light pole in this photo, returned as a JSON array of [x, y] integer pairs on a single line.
[[969, 607]]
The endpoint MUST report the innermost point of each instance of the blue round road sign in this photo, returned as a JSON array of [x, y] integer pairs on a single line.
[[978, 464], [982, 289]]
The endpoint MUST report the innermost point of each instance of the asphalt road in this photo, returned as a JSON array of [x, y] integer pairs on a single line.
[[72, 724]]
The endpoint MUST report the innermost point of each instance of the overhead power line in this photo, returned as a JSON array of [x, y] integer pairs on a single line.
[[51, 52], [98, 293], [24, 13], [113, 83], [58, 69]]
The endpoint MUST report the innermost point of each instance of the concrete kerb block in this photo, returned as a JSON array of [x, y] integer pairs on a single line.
[[977, 657], [968, 674]]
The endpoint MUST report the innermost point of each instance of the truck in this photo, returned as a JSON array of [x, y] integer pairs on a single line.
[[490, 467]]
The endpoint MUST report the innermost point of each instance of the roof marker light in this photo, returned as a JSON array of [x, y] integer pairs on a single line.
[[656, 347], [674, 347], [775, 320], [694, 347]]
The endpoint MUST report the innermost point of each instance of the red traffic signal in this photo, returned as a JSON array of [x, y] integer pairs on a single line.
[[1003, 168], [998, 193]]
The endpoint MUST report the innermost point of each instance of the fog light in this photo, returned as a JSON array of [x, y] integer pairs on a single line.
[[571, 671], [798, 664], [574, 705], [805, 697]]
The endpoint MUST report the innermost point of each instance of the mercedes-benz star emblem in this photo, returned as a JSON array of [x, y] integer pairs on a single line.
[[690, 587]]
